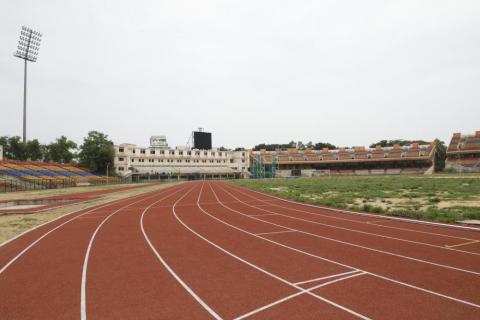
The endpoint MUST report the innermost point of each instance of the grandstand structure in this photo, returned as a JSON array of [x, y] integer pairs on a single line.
[[411, 159], [35, 175], [463, 153], [159, 161]]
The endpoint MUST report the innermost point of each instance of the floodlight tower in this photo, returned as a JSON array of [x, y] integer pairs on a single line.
[[27, 49]]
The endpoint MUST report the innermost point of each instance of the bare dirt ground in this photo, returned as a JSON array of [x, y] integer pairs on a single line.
[[14, 224]]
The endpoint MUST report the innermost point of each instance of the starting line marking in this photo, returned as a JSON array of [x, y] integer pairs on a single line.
[[298, 294], [462, 244], [327, 277]]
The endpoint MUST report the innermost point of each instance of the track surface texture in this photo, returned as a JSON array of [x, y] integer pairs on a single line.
[[211, 250]]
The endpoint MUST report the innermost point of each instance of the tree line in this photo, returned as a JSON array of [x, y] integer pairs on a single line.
[[320, 145], [391, 143], [292, 144], [95, 153]]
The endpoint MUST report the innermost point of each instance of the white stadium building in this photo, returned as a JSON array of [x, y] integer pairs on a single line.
[[164, 162]]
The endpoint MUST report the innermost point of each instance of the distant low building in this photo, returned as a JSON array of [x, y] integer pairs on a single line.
[[412, 159], [159, 161], [463, 153]]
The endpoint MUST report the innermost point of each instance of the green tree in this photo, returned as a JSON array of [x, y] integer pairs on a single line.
[[45, 152], [440, 155], [34, 150], [96, 152], [292, 144], [61, 150], [390, 143], [16, 149], [321, 145]]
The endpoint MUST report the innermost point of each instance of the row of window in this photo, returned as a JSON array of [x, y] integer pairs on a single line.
[[172, 152], [123, 169], [177, 160]]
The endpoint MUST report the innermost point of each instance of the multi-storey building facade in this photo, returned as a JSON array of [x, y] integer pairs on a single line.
[[160, 159]]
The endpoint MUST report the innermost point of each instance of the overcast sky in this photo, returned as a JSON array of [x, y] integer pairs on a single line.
[[346, 72]]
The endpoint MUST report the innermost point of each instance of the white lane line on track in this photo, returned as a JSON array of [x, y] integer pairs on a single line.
[[335, 262], [270, 212], [445, 247], [83, 298], [385, 219], [265, 307], [326, 277], [169, 269], [274, 232], [93, 217], [450, 248], [263, 215], [436, 224], [63, 216], [261, 269], [8, 264], [357, 245]]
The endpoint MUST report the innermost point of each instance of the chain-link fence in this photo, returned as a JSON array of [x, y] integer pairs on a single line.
[[14, 185]]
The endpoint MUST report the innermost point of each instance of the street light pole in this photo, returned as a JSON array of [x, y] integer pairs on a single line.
[[27, 49], [108, 165]]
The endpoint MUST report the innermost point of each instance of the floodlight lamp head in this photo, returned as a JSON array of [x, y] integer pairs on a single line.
[[28, 44]]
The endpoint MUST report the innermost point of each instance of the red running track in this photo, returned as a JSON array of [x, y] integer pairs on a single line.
[[210, 250]]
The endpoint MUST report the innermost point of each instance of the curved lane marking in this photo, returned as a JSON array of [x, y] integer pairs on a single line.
[[31, 245], [302, 290], [169, 269], [332, 261], [437, 224], [83, 298]]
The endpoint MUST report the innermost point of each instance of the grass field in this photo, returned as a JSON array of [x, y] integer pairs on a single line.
[[444, 198]]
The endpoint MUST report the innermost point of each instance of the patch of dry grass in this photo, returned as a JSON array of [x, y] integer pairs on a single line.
[[444, 198]]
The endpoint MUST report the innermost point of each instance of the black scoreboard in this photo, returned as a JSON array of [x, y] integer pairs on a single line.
[[202, 140]]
